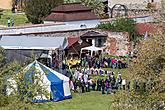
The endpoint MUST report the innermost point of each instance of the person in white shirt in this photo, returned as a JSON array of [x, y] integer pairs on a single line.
[[8, 22], [123, 83]]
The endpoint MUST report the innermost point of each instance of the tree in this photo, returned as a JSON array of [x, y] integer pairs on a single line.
[[162, 13], [121, 25], [96, 5], [149, 71], [36, 10], [13, 74]]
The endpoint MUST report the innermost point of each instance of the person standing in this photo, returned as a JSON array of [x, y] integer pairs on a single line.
[[108, 86], [102, 86], [8, 22], [93, 85], [123, 83], [12, 22], [99, 85]]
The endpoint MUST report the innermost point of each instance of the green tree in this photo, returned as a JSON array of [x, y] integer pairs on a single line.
[[162, 13], [13, 74], [121, 25], [148, 69], [36, 10]]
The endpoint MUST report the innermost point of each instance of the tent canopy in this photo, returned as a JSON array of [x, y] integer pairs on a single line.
[[92, 49], [55, 83], [32, 42]]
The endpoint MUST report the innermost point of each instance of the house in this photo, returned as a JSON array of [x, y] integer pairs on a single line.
[[66, 17], [95, 38], [71, 14], [74, 46]]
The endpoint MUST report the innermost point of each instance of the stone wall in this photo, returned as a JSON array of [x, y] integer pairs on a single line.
[[117, 43], [132, 4]]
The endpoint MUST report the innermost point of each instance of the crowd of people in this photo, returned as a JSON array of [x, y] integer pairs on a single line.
[[96, 62], [110, 84]]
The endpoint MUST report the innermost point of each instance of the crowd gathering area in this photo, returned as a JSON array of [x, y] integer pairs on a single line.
[[94, 73]]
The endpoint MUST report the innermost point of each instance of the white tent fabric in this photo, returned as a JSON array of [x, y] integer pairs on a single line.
[[32, 42], [44, 82], [48, 78], [92, 49], [56, 84]]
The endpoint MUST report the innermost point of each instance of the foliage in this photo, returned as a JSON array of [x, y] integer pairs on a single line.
[[96, 5], [16, 90], [162, 13], [36, 10], [121, 25], [19, 19], [149, 71]]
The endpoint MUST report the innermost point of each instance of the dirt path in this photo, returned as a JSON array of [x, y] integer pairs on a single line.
[[5, 4]]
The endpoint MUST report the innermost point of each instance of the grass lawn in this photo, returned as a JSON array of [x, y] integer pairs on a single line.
[[87, 101], [93, 100], [124, 72], [19, 18]]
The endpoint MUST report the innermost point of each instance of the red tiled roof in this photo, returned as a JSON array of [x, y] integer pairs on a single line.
[[72, 40], [71, 7], [71, 12], [76, 16], [142, 28]]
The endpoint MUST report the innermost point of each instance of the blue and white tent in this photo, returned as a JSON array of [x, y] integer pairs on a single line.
[[55, 83]]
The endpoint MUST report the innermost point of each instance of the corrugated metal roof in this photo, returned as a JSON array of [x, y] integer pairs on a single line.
[[93, 34], [31, 42]]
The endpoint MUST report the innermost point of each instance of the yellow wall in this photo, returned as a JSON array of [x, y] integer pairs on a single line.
[[5, 4]]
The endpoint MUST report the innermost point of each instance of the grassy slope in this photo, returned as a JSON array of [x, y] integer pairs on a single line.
[[87, 101], [19, 19]]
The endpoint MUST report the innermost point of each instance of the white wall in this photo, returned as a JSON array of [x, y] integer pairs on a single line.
[[66, 26]]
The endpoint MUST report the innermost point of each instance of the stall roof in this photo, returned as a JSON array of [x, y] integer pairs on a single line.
[[32, 42]]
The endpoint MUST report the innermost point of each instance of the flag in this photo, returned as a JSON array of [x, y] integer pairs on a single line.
[[146, 35]]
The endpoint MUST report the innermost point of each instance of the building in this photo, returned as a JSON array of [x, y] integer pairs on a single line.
[[134, 8], [95, 38], [134, 4], [74, 46], [72, 13]]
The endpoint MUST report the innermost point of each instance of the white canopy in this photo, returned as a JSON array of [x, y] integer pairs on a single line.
[[32, 42], [92, 49]]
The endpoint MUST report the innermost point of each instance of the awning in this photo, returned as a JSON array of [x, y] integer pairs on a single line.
[[32, 42], [92, 49]]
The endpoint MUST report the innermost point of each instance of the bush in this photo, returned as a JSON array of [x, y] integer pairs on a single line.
[[36, 10], [121, 25]]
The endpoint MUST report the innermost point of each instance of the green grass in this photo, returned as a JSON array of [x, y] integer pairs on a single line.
[[86, 101], [19, 19], [93, 100], [124, 72]]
